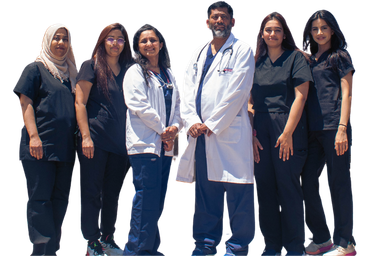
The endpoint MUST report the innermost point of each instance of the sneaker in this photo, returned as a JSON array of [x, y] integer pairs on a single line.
[[294, 253], [337, 250], [94, 249], [271, 253], [200, 252], [110, 247], [314, 249]]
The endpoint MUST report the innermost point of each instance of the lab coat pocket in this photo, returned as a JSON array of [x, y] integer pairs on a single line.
[[231, 134]]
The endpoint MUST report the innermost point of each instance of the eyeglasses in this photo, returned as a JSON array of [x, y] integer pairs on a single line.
[[119, 41]]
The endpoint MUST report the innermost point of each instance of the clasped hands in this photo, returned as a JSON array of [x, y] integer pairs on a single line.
[[168, 137], [198, 129]]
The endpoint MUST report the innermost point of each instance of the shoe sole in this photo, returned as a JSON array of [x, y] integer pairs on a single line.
[[321, 250]]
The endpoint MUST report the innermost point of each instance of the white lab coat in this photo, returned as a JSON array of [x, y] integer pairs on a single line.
[[146, 114], [229, 150]]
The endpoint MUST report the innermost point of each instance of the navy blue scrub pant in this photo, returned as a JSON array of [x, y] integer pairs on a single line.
[[278, 184], [150, 177], [209, 206], [48, 184], [101, 180], [321, 152]]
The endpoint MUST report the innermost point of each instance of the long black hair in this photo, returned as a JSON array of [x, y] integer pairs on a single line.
[[163, 57], [338, 42]]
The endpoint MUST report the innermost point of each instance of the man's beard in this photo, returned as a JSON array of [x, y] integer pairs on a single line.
[[222, 33]]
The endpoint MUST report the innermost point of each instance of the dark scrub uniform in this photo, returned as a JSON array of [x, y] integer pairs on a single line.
[[209, 200], [278, 182], [102, 176], [323, 111], [48, 179]]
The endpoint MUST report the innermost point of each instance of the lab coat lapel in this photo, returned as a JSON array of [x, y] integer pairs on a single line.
[[201, 64]]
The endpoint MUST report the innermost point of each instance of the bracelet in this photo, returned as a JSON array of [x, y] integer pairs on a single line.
[[343, 125], [254, 133]]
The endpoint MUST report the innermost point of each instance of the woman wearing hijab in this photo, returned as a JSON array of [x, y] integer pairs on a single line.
[[47, 150], [101, 116]]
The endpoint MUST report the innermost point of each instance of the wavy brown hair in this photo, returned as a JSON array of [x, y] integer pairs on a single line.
[[103, 71], [287, 44]]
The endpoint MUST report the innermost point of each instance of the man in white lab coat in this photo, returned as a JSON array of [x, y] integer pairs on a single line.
[[219, 154]]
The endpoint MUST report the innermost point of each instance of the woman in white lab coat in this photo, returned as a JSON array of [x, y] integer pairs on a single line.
[[153, 121]]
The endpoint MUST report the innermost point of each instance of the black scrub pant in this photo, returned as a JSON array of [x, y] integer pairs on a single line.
[[48, 184], [101, 180], [321, 152], [278, 184]]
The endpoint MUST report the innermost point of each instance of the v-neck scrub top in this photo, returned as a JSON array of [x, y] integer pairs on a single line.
[[106, 117], [325, 96], [54, 109], [274, 83]]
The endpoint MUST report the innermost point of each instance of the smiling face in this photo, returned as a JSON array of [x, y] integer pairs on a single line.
[[149, 45], [114, 49], [321, 32], [60, 43], [220, 22], [273, 33]]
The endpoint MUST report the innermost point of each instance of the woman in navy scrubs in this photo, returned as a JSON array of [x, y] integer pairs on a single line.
[[101, 116], [47, 149], [328, 110], [279, 92], [153, 121]]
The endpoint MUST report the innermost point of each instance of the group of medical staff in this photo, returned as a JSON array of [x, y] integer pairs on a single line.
[[278, 116]]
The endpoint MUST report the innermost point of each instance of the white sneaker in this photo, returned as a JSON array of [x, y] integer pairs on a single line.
[[337, 250], [315, 249], [94, 249], [110, 247]]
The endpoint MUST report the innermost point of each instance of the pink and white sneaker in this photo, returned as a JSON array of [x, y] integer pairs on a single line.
[[337, 250], [315, 249]]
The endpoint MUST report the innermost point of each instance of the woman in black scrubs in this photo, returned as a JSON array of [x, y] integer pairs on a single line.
[[101, 116], [328, 111], [279, 92], [47, 149]]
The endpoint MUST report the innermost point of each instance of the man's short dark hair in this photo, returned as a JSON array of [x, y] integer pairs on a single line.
[[220, 4]]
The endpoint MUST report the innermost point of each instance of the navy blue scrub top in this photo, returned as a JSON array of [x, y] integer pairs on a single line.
[[325, 96], [54, 109], [198, 100], [106, 118], [164, 80], [274, 83]]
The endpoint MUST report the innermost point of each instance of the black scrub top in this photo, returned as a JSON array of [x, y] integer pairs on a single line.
[[54, 109], [106, 117], [274, 83], [325, 96]]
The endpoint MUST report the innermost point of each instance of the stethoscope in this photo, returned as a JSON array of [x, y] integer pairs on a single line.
[[223, 71], [168, 84]]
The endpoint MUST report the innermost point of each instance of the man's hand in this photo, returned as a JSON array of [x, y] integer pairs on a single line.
[[204, 129], [195, 131]]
